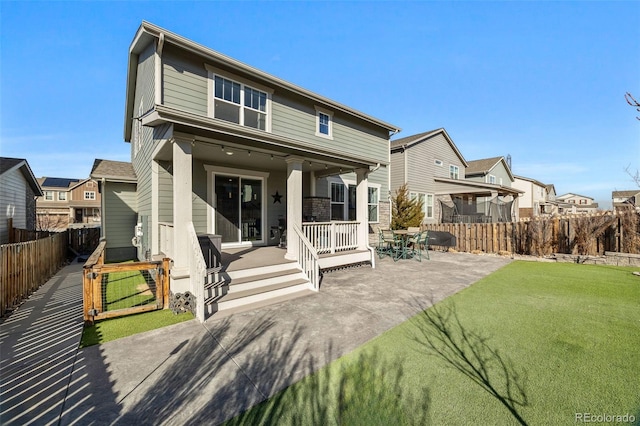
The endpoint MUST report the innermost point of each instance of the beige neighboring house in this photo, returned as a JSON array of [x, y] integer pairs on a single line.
[[538, 199], [626, 199], [68, 203], [18, 191], [579, 203]]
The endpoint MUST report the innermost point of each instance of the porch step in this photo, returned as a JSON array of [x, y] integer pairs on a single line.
[[256, 287]]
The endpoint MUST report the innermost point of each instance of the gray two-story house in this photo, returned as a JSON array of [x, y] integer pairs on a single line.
[[221, 148], [434, 170]]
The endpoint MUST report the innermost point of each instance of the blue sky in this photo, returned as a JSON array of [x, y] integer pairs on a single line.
[[541, 81]]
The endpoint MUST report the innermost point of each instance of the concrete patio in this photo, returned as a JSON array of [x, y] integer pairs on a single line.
[[194, 373]]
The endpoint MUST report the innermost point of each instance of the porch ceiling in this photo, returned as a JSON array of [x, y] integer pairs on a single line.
[[210, 135]]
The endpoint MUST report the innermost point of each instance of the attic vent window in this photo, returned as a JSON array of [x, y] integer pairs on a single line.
[[324, 123], [438, 163]]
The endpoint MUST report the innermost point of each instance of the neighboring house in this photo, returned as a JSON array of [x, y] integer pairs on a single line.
[[219, 147], [538, 199], [626, 199], [494, 171], [117, 187], [582, 203], [68, 203], [18, 191], [435, 172]]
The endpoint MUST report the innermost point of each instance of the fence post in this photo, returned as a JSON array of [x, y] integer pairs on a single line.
[[87, 294], [166, 265], [97, 290]]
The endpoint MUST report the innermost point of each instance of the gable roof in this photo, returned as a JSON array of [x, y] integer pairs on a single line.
[[535, 182], [409, 141], [631, 193], [573, 194], [484, 166], [120, 171], [148, 33], [7, 164]]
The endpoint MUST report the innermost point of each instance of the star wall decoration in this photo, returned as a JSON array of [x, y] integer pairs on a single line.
[[277, 198]]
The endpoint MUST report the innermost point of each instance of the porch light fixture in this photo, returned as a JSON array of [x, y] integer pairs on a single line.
[[249, 153], [229, 152], [272, 156], [222, 147]]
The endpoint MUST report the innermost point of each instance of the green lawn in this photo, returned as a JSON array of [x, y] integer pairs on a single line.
[[128, 289], [533, 343], [115, 328], [125, 290]]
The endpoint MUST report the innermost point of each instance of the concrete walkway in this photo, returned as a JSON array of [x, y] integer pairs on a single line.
[[38, 347], [195, 373]]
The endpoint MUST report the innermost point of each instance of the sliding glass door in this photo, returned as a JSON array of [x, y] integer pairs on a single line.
[[238, 208]]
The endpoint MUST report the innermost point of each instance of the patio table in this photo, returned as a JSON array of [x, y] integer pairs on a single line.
[[405, 235]]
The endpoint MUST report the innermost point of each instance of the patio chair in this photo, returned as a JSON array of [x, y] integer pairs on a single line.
[[385, 243], [420, 243], [393, 244]]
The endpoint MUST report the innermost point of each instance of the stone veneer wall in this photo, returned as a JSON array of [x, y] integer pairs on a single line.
[[316, 209], [384, 222]]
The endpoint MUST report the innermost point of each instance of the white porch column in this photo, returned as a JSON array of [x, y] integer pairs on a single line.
[[294, 204], [182, 214], [362, 208], [312, 183]]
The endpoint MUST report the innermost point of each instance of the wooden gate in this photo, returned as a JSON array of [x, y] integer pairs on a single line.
[[118, 289]]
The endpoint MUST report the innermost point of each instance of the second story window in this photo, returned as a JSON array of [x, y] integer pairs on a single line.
[[239, 103], [492, 179], [324, 123], [454, 172], [48, 195], [62, 196], [89, 195]]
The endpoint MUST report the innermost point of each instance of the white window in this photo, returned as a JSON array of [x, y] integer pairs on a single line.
[[324, 123], [337, 201], [239, 103], [438, 162], [492, 179], [48, 195], [373, 204], [62, 196], [428, 206], [427, 203], [89, 195], [454, 172]]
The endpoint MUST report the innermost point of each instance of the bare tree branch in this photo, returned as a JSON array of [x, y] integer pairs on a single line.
[[632, 101]]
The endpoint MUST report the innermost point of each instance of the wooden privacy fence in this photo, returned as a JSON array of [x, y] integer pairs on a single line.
[[118, 289], [26, 266], [583, 235]]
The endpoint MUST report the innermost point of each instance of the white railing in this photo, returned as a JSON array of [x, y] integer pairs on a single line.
[[166, 238], [332, 237], [197, 272], [308, 259]]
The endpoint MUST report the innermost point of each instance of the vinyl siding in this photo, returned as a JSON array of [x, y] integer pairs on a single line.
[[165, 193], [145, 95], [120, 215], [396, 170], [184, 83], [185, 87], [13, 192], [295, 117], [200, 197]]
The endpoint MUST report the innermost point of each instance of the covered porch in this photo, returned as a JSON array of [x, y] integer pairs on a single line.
[[251, 192], [465, 201]]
